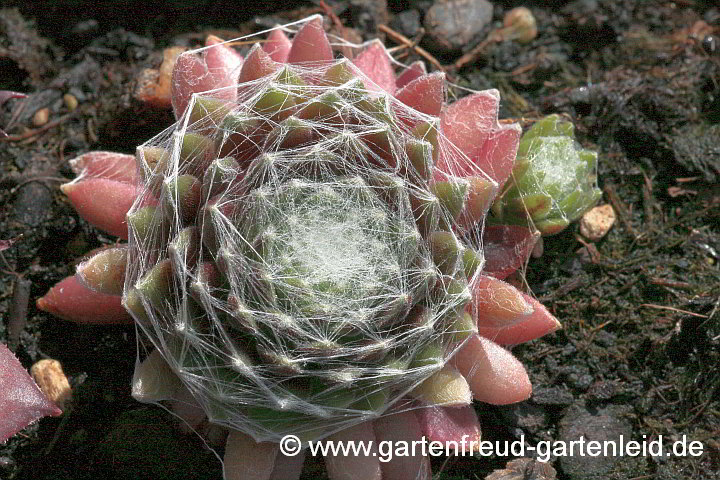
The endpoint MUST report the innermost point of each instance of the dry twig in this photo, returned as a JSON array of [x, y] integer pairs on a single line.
[[37, 131], [327, 10], [664, 307], [400, 38], [620, 209], [17, 317], [473, 55]]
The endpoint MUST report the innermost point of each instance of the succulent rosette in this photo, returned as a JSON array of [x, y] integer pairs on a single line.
[[554, 179], [306, 254]]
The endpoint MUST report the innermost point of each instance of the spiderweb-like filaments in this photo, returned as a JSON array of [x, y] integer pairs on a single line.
[[296, 257]]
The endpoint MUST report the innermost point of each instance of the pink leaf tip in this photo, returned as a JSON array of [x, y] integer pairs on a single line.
[[311, 44], [21, 401]]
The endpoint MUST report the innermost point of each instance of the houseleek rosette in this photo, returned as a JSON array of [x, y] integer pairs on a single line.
[[554, 180], [308, 255], [313, 276]]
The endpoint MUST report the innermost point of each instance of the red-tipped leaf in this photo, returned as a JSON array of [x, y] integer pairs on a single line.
[[311, 44], [374, 62], [413, 71], [496, 303], [494, 375], [70, 300], [110, 165], [257, 64], [451, 424], [222, 61], [471, 125], [507, 248], [217, 69], [425, 94], [21, 401], [496, 157], [539, 323], [402, 427], [103, 203], [278, 45]]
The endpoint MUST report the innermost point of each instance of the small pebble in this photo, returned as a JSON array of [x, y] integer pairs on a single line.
[[51, 379], [70, 101], [453, 24], [601, 425], [519, 24], [581, 382], [41, 117], [407, 23], [597, 222]]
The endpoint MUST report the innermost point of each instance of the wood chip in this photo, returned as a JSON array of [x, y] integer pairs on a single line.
[[51, 379]]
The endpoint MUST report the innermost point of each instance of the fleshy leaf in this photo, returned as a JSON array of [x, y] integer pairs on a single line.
[[425, 94], [104, 272], [507, 248], [310, 44], [222, 61], [257, 65], [402, 427], [494, 374], [185, 406], [351, 467], [539, 323], [451, 424], [496, 303], [108, 214], [278, 45], [21, 401], [413, 71], [110, 165], [218, 68], [70, 300], [445, 387], [153, 380], [471, 125], [288, 467], [245, 459], [374, 62], [496, 157]]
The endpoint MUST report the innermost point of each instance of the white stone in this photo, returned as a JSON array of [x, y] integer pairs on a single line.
[[597, 222]]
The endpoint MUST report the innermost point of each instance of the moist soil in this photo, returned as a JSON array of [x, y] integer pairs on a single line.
[[639, 352]]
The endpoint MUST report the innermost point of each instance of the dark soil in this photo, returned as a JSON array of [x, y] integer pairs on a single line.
[[639, 354]]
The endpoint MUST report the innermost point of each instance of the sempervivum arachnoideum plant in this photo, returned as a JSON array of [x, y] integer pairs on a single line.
[[306, 255], [551, 197]]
